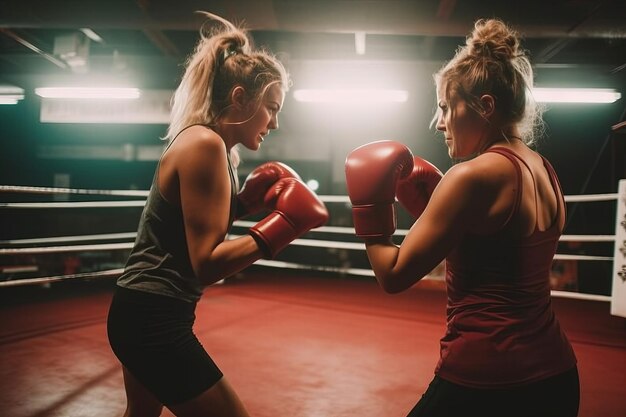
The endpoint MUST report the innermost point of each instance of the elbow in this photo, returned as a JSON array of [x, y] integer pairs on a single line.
[[392, 289], [207, 273], [392, 284], [204, 277]]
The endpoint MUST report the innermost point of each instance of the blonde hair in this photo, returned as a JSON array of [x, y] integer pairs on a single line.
[[493, 62], [222, 60]]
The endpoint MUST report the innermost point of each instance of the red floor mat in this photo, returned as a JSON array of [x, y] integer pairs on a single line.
[[291, 345]]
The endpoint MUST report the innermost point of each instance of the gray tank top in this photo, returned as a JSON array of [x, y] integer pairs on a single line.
[[159, 261]]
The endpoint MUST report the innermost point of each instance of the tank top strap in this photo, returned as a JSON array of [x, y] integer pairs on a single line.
[[232, 174], [556, 185], [234, 187], [513, 158]]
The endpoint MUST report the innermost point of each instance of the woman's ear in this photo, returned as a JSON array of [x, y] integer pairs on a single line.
[[488, 105], [238, 97]]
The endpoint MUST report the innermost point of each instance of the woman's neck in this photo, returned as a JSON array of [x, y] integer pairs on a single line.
[[226, 132]]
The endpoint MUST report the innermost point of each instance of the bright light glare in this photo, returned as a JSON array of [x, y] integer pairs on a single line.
[[10, 99], [10, 94], [351, 96], [313, 184], [88, 92], [576, 95], [359, 43]]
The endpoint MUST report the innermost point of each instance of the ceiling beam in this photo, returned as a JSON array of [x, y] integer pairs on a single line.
[[400, 17], [34, 48]]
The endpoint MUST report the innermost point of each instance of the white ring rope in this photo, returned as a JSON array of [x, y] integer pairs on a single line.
[[69, 248], [57, 278], [587, 238], [291, 265], [60, 239], [57, 190], [580, 296], [590, 197], [271, 264], [239, 223], [298, 242], [324, 198], [74, 204]]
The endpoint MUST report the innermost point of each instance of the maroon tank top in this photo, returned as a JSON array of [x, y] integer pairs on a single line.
[[501, 329]]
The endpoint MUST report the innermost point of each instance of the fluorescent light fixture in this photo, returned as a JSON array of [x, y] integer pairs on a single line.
[[351, 96], [10, 94], [576, 95], [9, 100], [92, 35], [103, 93]]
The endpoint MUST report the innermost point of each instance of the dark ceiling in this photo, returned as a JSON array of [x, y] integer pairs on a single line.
[[149, 39]]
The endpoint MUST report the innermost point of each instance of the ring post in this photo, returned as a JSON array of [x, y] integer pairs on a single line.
[[618, 292]]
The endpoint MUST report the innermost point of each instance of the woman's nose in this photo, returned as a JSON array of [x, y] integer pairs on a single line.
[[273, 123], [440, 124]]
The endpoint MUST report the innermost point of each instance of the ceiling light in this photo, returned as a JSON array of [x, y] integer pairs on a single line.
[[10, 94], [9, 100], [104, 93], [92, 35], [576, 95], [351, 96]]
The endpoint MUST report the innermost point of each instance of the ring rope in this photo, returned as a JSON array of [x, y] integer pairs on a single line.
[[580, 296], [271, 264], [591, 197], [324, 198], [58, 190], [323, 229], [587, 238], [75, 204], [292, 265], [69, 248], [298, 242], [301, 242], [79, 238], [57, 278]]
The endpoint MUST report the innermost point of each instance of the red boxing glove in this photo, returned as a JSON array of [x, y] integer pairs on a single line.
[[414, 191], [372, 172], [257, 183], [296, 211]]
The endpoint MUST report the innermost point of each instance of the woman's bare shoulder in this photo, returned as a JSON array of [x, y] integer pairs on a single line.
[[199, 136], [482, 175]]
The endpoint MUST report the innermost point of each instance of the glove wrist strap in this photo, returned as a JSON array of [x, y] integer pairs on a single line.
[[374, 220]]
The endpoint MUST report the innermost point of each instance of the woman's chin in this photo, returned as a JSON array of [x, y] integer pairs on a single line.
[[253, 146]]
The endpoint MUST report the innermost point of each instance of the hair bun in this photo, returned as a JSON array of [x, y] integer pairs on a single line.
[[492, 38]]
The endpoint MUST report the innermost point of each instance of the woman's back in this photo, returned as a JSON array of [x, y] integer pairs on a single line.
[[498, 285]]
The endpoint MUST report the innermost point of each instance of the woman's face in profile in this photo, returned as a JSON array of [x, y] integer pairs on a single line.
[[261, 117], [462, 126]]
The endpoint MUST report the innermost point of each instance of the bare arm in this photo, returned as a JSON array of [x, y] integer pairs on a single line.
[[460, 200], [200, 165]]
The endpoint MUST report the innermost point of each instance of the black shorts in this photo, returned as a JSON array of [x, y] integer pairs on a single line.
[[152, 336], [558, 396]]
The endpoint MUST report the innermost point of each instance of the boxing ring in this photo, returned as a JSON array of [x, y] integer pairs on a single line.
[[308, 333]]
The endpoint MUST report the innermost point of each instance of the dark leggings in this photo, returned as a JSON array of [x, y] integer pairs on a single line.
[[558, 396], [152, 337]]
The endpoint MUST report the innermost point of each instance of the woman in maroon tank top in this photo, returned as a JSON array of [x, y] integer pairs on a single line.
[[495, 217]]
